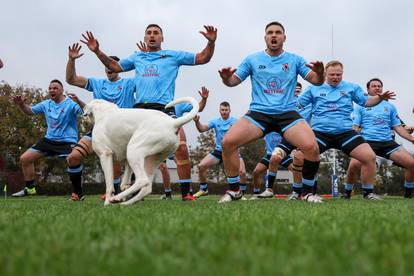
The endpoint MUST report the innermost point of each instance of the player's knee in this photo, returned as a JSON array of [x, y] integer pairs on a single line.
[[228, 144], [24, 160], [74, 159], [242, 174], [201, 168], [275, 159], [182, 152], [310, 147]]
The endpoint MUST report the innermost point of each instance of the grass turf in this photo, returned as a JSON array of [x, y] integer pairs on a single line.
[[51, 236]]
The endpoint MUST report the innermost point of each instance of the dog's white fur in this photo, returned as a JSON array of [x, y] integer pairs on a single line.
[[141, 137]]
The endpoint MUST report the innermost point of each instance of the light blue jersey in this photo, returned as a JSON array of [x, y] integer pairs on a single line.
[[61, 119], [273, 80], [376, 122], [182, 108], [332, 106], [156, 73], [120, 92], [272, 139], [221, 127], [306, 113]]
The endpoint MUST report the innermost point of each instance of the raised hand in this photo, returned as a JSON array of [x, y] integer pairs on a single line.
[[90, 41], [19, 100], [142, 46], [226, 73], [74, 51], [74, 97], [210, 34], [387, 95], [316, 66], [204, 93]]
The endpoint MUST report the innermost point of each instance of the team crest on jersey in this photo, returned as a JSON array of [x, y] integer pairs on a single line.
[[273, 86], [151, 70], [385, 109], [62, 111], [342, 93], [285, 67], [119, 88]]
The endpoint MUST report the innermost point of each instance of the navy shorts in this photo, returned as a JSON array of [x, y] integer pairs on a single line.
[[346, 141], [285, 161], [278, 123], [384, 149], [156, 106], [53, 148]]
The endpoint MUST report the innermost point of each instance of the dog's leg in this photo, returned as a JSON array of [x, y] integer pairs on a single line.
[[145, 190], [151, 164], [107, 167], [126, 178], [137, 165]]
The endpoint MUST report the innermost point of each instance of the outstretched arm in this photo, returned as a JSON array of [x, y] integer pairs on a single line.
[[204, 95], [71, 76], [21, 102], [404, 133], [200, 127], [93, 45], [228, 77], [204, 56], [374, 100], [316, 75]]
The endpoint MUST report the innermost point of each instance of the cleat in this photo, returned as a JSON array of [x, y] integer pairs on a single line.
[[293, 196], [166, 197], [201, 193], [243, 198], [25, 192], [268, 193], [312, 198], [76, 197], [189, 197], [231, 196], [372, 196]]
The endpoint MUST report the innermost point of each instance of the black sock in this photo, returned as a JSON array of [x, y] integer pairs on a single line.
[[30, 184], [367, 189], [298, 190], [185, 188], [310, 169], [307, 189], [168, 193], [408, 192], [75, 175], [271, 177], [234, 183]]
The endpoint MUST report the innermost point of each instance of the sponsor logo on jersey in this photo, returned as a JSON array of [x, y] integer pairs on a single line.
[[151, 70]]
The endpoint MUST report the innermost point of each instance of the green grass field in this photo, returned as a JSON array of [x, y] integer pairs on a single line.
[[51, 236]]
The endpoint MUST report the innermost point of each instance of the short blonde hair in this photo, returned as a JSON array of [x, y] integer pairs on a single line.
[[333, 63]]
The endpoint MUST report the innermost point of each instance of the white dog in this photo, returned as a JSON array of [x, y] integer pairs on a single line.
[[142, 137]]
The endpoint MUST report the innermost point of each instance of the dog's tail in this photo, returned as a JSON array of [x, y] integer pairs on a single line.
[[179, 122]]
